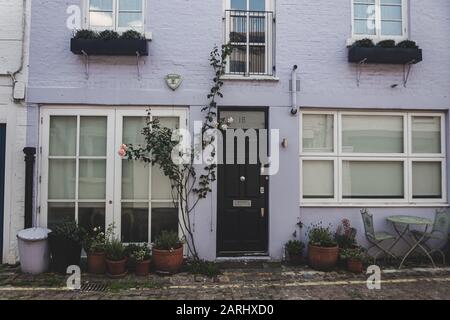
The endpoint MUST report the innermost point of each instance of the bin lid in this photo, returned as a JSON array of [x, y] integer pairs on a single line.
[[34, 234]]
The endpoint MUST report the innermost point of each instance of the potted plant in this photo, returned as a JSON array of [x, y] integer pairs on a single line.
[[65, 241], [168, 253], [141, 255], [129, 250], [345, 235], [323, 251], [115, 255], [294, 251], [109, 42], [385, 51], [355, 259], [94, 246]]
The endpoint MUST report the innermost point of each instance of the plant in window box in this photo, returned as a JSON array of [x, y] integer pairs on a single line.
[[406, 52], [294, 251], [168, 252], [109, 42], [141, 255], [323, 250], [355, 259], [94, 245], [115, 255], [65, 241]]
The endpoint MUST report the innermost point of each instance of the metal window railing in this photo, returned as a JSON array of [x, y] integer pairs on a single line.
[[251, 35]]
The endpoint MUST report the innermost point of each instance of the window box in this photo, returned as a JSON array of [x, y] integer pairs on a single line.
[[384, 55], [116, 47]]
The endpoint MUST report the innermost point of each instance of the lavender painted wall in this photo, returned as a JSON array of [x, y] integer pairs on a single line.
[[311, 34]]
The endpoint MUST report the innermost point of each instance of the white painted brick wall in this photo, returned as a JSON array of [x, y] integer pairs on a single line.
[[14, 114]]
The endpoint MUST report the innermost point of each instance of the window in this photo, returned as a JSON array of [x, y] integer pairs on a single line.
[[380, 19], [249, 29], [119, 15], [372, 157], [84, 179]]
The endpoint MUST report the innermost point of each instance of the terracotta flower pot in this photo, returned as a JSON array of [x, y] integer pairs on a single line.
[[355, 266], [96, 262], [323, 258], [295, 259], [142, 268], [116, 268], [167, 261]]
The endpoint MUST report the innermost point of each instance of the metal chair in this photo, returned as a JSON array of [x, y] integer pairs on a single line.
[[376, 238], [438, 232]]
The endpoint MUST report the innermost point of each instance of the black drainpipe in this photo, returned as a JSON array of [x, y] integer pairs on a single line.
[[29, 184]]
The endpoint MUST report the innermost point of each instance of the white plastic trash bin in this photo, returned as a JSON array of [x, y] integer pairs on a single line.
[[34, 251]]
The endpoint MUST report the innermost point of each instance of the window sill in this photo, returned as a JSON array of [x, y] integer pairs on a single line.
[[374, 205], [249, 78]]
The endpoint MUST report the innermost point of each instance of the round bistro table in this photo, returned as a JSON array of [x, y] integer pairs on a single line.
[[402, 225]]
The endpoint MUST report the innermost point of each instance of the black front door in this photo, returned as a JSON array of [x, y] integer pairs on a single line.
[[242, 220]]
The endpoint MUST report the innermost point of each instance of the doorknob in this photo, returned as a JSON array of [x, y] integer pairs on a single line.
[[242, 179]]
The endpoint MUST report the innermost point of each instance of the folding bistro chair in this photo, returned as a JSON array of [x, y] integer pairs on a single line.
[[439, 232], [376, 238]]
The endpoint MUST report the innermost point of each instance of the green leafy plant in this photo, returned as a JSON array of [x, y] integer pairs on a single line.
[[294, 247], [141, 253], [186, 182], [85, 34], [115, 250], [320, 236], [168, 240], [408, 44], [345, 235], [206, 268], [108, 35], [95, 241], [132, 35], [386, 44], [364, 43], [69, 230], [358, 254]]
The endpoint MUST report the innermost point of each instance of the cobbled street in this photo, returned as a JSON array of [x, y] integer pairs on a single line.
[[262, 282]]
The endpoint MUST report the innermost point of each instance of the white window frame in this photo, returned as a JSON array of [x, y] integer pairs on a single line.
[[114, 161], [407, 157], [115, 15], [378, 36], [269, 46]]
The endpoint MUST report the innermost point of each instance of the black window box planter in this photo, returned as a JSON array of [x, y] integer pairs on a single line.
[[116, 47], [384, 55]]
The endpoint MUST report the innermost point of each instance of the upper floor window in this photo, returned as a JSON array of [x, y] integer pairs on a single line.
[[380, 19], [119, 15], [249, 30]]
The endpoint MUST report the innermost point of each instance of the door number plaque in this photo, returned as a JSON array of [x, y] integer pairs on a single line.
[[242, 203]]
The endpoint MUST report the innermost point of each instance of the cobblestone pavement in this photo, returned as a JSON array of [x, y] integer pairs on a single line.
[[257, 282]]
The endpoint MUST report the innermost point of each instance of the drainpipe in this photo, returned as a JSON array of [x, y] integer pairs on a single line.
[[294, 108], [29, 184]]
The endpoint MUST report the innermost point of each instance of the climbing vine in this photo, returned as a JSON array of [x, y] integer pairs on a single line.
[[188, 187]]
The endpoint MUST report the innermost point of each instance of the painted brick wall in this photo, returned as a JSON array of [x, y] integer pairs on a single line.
[[311, 34], [14, 114]]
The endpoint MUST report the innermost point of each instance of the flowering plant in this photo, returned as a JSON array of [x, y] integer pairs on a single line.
[[95, 241], [345, 235]]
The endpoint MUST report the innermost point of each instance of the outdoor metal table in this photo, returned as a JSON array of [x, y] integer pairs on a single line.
[[407, 222]]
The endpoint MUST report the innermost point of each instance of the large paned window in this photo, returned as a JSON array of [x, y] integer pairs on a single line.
[[119, 15], [380, 19], [372, 157], [84, 179]]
